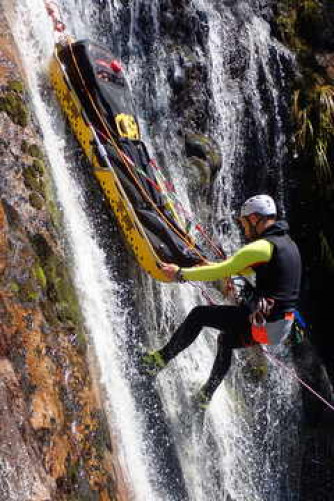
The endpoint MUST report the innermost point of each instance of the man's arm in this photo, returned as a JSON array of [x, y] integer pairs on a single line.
[[240, 263]]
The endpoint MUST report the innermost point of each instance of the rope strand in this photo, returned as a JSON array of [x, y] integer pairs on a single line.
[[293, 374]]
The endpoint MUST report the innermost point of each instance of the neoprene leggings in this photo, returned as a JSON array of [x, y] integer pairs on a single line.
[[235, 333]]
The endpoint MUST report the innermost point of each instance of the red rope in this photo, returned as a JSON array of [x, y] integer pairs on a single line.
[[293, 374]]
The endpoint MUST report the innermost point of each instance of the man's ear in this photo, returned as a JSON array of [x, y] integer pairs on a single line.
[[253, 218]]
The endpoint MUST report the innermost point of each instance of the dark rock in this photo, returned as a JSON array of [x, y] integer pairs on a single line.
[[205, 148]]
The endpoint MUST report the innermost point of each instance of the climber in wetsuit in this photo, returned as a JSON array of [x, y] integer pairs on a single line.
[[275, 260]]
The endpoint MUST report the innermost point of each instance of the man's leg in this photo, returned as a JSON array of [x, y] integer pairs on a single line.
[[185, 335], [232, 319], [236, 334], [227, 341]]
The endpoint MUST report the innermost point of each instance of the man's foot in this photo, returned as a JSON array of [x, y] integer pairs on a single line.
[[152, 363]]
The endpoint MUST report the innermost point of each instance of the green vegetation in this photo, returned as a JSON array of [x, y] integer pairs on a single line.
[[36, 200], [34, 151], [314, 119], [306, 27], [12, 103], [301, 24]]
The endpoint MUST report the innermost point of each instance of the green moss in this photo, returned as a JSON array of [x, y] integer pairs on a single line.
[[33, 180], [39, 275], [24, 146], [35, 151], [14, 287], [14, 106], [30, 179], [16, 86], [61, 291], [39, 166], [28, 291], [54, 213], [36, 200]]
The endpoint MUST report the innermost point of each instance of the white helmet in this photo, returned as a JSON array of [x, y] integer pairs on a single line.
[[259, 204]]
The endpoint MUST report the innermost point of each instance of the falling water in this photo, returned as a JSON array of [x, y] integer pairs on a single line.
[[246, 448]]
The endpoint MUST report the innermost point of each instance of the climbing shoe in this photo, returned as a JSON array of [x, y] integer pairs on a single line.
[[152, 363]]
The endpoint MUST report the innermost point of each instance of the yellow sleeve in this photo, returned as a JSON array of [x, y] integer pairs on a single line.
[[240, 263]]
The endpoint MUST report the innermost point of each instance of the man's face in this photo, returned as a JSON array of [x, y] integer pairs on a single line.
[[249, 226], [245, 227]]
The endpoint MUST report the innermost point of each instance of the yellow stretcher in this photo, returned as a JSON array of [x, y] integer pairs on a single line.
[[132, 228], [114, 192]]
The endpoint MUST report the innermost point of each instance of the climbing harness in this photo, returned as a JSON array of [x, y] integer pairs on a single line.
[[271, 357]]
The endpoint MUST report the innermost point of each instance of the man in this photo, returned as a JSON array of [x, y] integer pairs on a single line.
[[275, 260]]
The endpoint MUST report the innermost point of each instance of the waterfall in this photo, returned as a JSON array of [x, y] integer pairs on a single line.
[[247, 447]]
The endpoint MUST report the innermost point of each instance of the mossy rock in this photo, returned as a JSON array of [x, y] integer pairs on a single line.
[[16, 86], [50, 314], [14, 287], [68, 311], [30, 180], [29, 291], [12, 215], [14, 106], [41, 247], [36, 200], [61, 290], [39, 275], [33, 180], [35, 151], [198, 172], [54, 213], [24, 146], [38, 166], [205, 148]]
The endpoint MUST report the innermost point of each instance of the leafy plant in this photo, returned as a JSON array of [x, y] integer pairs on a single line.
[[313, 110]]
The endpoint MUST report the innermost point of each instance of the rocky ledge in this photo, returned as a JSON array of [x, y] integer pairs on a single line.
[[54, 436]]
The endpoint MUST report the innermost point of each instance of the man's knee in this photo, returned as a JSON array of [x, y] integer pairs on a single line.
[[198, 312], [225, 340]]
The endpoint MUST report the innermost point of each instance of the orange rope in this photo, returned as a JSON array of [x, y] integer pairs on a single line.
[[126, 163], [211, 242]]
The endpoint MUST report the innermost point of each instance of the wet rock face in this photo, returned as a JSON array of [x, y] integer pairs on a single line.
[[54, 436], [185, 32], [21, 469]]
